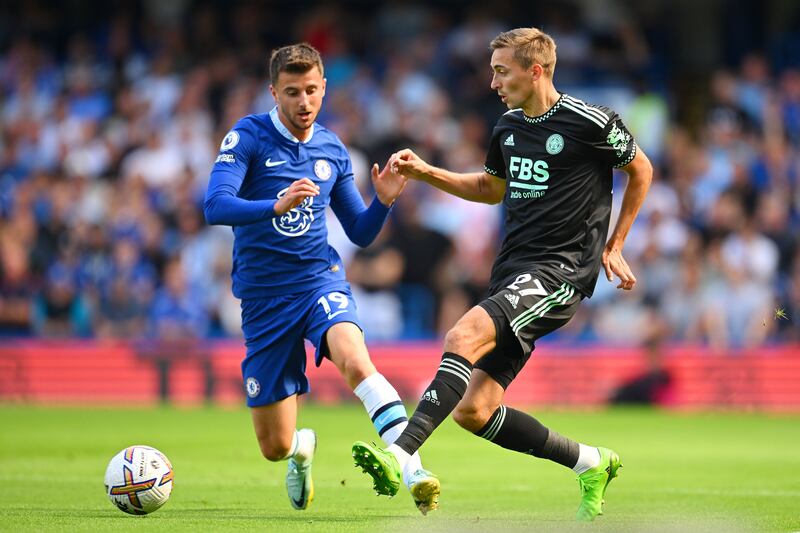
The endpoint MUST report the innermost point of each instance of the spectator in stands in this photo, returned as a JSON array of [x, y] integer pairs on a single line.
[[121, 314], [175, 313], [60, 310], [375, 273], [115, 129], [17, 288]]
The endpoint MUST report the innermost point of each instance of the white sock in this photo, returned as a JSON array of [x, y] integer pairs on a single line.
[[388, 415], [303, 444], [402, 456], [588, 457], [414, 463], [387, 412]]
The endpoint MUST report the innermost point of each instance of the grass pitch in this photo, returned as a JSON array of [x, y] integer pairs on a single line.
[[699, 472]]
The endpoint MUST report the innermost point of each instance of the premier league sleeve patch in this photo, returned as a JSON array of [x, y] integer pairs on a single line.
[[230, 141]]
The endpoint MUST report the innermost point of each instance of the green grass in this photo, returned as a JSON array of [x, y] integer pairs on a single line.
[[708, 472]]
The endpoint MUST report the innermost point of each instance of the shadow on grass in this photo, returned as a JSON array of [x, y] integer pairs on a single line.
[[227, 514]]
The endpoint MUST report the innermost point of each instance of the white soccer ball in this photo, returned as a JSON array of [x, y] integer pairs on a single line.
[[139, 479]]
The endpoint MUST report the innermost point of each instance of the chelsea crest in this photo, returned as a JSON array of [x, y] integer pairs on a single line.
[[322, 169]]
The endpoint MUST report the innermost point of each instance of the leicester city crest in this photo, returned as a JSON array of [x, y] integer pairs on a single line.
[[322, 169], [297, 221], [555, 143]]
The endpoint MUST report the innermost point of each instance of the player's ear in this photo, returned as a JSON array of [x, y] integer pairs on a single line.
[[324, 84], [536, 71], [273, 92]]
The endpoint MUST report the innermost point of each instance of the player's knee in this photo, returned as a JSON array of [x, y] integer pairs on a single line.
[[471, 417], [275, 450], [357, 369], [460, 339]]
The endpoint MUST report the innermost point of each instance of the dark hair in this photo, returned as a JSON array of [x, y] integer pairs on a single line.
[[295, 58]]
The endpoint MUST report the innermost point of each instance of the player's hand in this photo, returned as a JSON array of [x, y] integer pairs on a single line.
[[388, 183], [294, 196], [614, 263], [409, 164]]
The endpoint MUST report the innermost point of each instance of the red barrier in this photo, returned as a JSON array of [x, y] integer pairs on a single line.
[[109, 372]]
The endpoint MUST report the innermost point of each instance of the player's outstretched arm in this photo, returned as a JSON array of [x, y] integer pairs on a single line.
[[474, 186], [640, 174], [388, 183], [362, 224]]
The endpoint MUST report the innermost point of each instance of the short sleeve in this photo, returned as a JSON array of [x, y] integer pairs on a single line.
[[495, 164], [617, 145], [237, 149]]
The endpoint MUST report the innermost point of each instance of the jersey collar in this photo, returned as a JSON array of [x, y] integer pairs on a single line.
[[545, 116], [285, 132]]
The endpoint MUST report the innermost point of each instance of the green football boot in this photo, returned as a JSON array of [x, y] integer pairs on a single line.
[[382, 465], [594, 482], [425, 488]]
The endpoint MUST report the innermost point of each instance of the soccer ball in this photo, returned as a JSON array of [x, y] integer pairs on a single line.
[[139, 479]]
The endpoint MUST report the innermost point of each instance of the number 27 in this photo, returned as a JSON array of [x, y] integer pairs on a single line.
[[537, 290]]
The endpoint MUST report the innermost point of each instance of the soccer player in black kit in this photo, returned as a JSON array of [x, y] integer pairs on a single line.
[[550, 162]]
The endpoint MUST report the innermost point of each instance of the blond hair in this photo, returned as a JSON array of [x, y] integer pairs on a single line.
[[295, 58], [530, 46]]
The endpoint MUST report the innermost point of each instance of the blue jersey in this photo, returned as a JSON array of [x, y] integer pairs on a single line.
[[274, 255]]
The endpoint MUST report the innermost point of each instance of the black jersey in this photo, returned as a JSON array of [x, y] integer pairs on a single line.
[[558, 168]]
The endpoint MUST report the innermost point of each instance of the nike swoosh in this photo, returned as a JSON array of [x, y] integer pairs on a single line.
[[382, 419], [301, 502], [337, 313], [269, 163]]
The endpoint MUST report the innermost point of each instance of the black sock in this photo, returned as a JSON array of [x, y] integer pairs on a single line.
[[438, 401], [515, 430]]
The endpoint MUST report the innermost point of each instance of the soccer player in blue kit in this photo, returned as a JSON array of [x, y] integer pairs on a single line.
[[272, 180]]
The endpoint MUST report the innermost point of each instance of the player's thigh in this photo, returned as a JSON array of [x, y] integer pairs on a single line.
[[347, 350], [532, 305], [329, 307], [473, 335], [275, 363], [274, 426]]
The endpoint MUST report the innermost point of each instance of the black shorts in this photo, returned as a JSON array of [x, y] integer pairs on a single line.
[[529, 307]]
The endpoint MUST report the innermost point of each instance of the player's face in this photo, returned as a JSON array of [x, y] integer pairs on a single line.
[[512, 83], [299, 99]]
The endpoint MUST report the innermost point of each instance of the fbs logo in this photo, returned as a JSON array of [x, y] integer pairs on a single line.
[[430, 395], [524, 169], [513, 299]]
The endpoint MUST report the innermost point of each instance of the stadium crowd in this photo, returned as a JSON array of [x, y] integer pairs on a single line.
[[108, 132]]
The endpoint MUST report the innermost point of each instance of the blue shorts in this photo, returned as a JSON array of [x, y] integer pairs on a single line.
[[274, 329]]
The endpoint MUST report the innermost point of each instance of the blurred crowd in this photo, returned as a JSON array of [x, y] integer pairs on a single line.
[[108, 132]]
